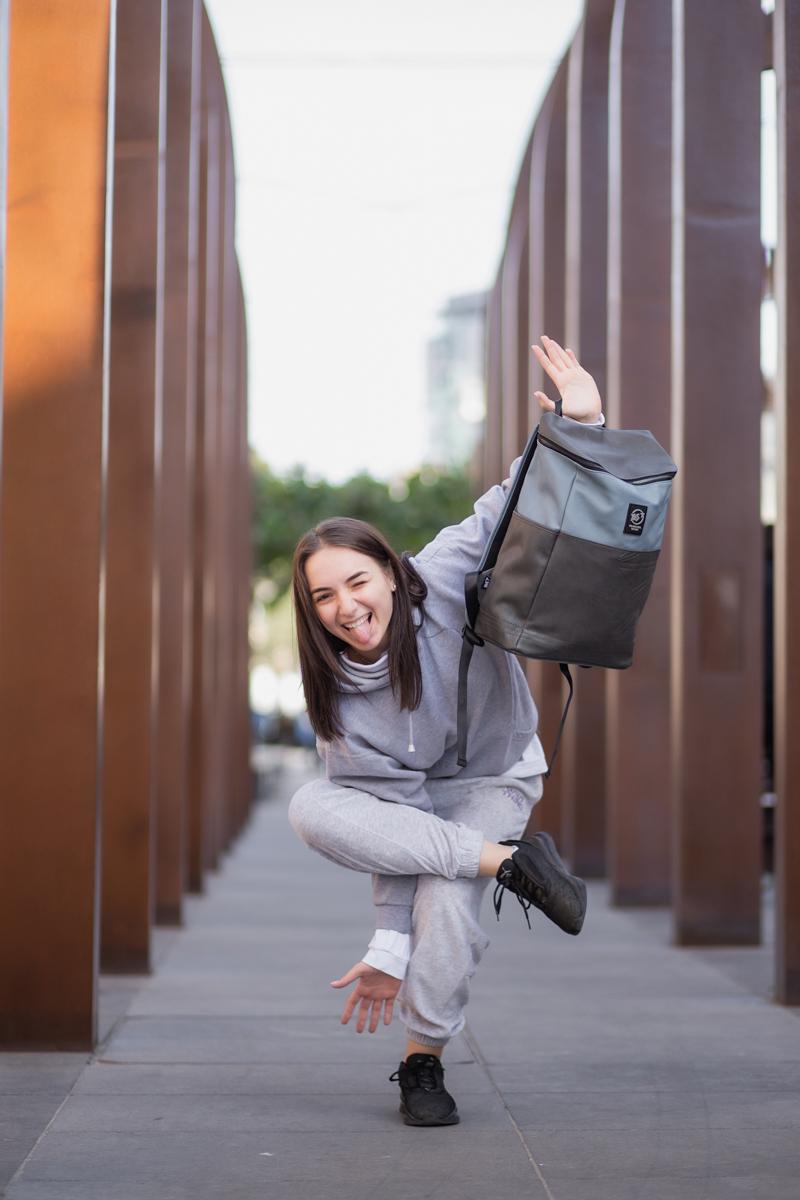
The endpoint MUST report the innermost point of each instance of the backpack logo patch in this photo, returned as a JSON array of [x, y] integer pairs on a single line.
[[634, 522]]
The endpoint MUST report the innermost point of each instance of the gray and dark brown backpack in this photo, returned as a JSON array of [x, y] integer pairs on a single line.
[[568, 567]]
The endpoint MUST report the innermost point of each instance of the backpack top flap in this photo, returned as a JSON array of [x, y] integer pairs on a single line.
[[630, 454]]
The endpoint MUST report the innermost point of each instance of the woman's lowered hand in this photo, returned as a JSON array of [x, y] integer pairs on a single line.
[[580, 397], [374, 992]]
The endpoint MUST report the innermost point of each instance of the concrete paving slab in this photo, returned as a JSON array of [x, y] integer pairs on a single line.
[[643, 1110], [25, 1073], [28, 1110], [477, 1162], [668, 1187], [548, 1072], [273, 1079], [307, 1041], [678, 1152], [406, 1186], [628, 1068], [334, 1112]]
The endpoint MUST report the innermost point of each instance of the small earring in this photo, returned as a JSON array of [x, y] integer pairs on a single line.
[[394, 587]]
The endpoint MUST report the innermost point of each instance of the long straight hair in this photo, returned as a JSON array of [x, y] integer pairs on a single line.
[[320, 665]]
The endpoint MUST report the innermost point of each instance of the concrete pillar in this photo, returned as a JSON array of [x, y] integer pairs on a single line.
[[716, 409], [638, 397], [51, 516]]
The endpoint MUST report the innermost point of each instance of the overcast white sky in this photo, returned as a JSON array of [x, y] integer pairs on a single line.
[[376, 148]]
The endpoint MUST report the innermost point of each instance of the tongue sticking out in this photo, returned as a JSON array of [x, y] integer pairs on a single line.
[[362, 632]]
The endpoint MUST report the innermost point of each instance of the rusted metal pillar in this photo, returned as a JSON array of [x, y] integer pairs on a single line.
[[516, 353], [716, 533], [584, 765], [638, 396], [227, 564], [243, 568], [177, 477], [136, 363], [204, 737], [492, 433], [246, 560], [215, 482], [786, 58], [547, 245], [51, 513]]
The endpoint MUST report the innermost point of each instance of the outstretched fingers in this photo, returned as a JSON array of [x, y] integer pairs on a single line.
[[556, 352], [548, 364]]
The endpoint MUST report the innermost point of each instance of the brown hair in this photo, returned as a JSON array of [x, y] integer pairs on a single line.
[[319, 649]]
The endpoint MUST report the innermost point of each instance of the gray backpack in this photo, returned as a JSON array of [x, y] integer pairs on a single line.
[[568, 567]]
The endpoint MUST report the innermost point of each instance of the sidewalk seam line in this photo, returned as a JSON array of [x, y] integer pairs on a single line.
[[472, 1042], [33, 1148]]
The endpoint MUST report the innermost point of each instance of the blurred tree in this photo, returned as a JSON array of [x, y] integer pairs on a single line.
[[409, 514]]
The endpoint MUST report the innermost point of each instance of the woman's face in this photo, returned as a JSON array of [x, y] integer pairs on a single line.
[[353, 598]]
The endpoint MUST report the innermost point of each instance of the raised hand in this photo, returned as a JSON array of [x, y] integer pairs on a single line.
[[375, 990], [578, 390]]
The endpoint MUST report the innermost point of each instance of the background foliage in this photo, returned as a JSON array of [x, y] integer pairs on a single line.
[[409, 514]]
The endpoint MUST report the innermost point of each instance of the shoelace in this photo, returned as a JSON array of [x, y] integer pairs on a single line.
[[506, 880], [422, 1075]]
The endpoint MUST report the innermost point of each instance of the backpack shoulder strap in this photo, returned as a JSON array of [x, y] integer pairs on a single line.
[[504, 520], [472, 601]]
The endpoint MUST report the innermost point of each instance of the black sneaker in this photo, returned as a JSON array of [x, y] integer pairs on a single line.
[[424, 1098], [538, 876]]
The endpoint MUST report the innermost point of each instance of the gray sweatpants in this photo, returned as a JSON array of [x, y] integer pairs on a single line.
[[442, 848]]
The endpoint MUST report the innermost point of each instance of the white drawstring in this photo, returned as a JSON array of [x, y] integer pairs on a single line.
[[411, 747]]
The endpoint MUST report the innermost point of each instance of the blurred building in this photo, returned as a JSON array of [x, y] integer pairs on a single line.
[[456, 373]]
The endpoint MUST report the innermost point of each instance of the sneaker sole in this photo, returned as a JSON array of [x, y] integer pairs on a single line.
[[548, 846], [453, 1119], [580, 887]]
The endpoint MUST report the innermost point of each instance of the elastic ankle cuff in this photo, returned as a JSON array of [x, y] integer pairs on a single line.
[[422, 1039]]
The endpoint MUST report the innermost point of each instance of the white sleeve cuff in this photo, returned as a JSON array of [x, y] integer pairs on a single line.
[[389, 951]]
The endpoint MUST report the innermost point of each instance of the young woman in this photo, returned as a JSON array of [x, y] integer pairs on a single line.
[[379, 640]]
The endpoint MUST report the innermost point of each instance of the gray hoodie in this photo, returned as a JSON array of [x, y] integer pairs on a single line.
[[390, 752]]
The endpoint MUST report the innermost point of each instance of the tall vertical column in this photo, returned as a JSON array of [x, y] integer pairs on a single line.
[[246, 559], [243, 569], [136, 364], [546, 315], [786, 58], [514, 316], [204, 743], [51, 514], [638, 396], [215, 449], [227, 565], [177, 476], [492, 433], [584, 766], [716, 409]]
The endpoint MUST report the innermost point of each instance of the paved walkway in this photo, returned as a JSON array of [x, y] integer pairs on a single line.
[[607, 1067]]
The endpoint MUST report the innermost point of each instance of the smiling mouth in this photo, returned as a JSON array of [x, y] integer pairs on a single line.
[[361, 621]]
